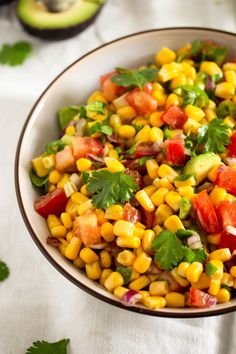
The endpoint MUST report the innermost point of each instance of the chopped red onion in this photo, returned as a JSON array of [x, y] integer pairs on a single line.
[[210, 85], [130, 297], [53, 241], [95, 159]]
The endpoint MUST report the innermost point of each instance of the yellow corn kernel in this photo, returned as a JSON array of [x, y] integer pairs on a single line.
[[227, 279], [165, 56], [114, 212], [224, 90], [153, 277], [158, 197], [79, 198], [160, 97], [203, 282], [212, 174], [143, 136], [223, 296], [138, 232], [162, 213], [126, 258], [191, 126], [129, 242], [39, 168], [143, 198], [230, 197], [148, 237], [143, 294], [157, 229], [218, 274], [93, 270], [214, 287], [71, 208], [181, 281], [173, 199], [113, 153], [134, 274], [234, 286], [173, 223], [152, 168], [123, 228], [70, 130], [54, 177], [167, 171], [155, 119], [223, 254], [178, 81], [142, 262], [194, 271], [105, 259], [233, 271], [229, 66], [88, 255], [169, 71], [63, 245], [229, 121], [106, 231], [126, 113], [140, 121], [138, 250], [83, 164], [52, 221], [113, 280], [159, 288], [127, 131], [97, 96], [105, 273], [190, 72], [217, 195], [85, 207], [73, 248], [210, 67], [230, 76], [154, 302], [139, 283], [173, 99], [115, 122], [66, 220], [58, 231], [120, 291], [163, 182], [100, 216], [63, 180], [174, 299], [156, 135], [210, 114], [78, 262], [113, 165], [139, 225], [214, 239], [51, 188], [150, 190], [84, 191], [194, 112], [182, 268], [188, 182], [69, 235]]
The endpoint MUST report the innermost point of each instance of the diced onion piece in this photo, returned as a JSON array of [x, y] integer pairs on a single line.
[[130, 297], [69, 188], [231, 230]]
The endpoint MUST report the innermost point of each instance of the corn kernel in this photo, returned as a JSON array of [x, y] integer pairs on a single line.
[[194, 271], [39, 168], [150, 190], [114, 280], [191, 127], [180, 280], [106, 231], [129, 242], [156, 135], [127, 131], [214, 239], [154, 302], [230, 197], [126, 113], [58, 231], [105, 259], [69, 235], [52, 221], [85, 207], [210, 114], [163, 182], [212, 174], [182, 268], [173, 100], [123, 228], [194, 112], [114, 212], [88, 255], [233, 271], [115, 122], [144, 200], [138, 232], [152, 168], [160, 97], [230, 76], [83, 164], [229, 66], [165, 56], [167, 171], [188, 182], [178, 81], [155, 119], [218, 274], [78, 262], [113, 165], [66, 220], [217, 195], [224, 90], [229, 121], [186, 191], [203, 282], [173, 199], [143, 136], [63, 180], [105, 273], [79, 198], [70, 130], [93, 270], [126, 258], [222, 254], [227, 279], [148, 237], [174, 299], [158, 197], [173, 223], [214, 287], [169, 71], [223, 296], [54, 177], [97, 96], [63, 245], [120, 291], [210, 67], [142, 262], [159, 288], [139, 283], [162, 213], [73, 248]]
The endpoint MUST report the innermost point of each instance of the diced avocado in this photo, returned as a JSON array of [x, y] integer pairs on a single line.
[[201, 165], [185, 208], [42, 20]]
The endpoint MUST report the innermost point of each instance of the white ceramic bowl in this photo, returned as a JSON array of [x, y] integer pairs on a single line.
[[76, 83]]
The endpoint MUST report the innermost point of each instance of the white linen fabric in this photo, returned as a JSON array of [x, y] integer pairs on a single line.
[[36, 302]]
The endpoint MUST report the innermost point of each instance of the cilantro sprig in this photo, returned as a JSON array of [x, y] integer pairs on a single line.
[[99, 127], [208, 50], [192, 95], [15, 54], [108, 188], [4, 271], [125, 272], [43, 347], [139, 78]]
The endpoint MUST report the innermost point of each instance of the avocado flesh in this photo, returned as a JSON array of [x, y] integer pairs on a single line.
[[201, 165]]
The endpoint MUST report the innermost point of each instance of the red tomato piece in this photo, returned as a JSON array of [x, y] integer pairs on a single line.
[[148, 88], [64, 159], [175, 151], [227, 213], [147, 218], [81, 146], [206, 213], [142, 102], [226, 178], [52, 203], [232, 145], [110, 90], [199, 298], [130, 213], [88, 229], [227, 240], [175, 117]]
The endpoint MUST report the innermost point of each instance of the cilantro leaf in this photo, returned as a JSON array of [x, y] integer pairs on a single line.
[[15, 54], [142, 161], [43, 347], [192, 95], [54, 146], [4, 271], [110, 188], [99, 127], [193, 255], [214, 136], [197, 45], [138, 78], [96, 107], [208, 50], [210, 269], [66, 114], [125, 272], [36, 180], [226, 108]]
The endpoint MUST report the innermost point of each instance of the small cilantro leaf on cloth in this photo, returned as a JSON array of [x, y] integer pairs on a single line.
[[125, 272], [43, 347], [126, 77], [192, 95], [4, 271], [214, 136], [15, 54], [108, 188], [99, 127]]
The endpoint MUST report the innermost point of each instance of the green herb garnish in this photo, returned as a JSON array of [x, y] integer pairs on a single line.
[[15, 54], [192, 95], [210, 269], [4, 271], [125, 272], [142, 161], [226, 108], [66, 114], [139, 78], [36, 180], [43, 347], [55, 146], [99, 127]]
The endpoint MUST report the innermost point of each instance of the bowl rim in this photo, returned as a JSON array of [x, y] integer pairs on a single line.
[[146, 311]]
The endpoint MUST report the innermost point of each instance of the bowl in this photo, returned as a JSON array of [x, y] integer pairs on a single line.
[[75, 83]]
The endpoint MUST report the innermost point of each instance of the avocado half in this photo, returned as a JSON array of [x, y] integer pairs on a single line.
[[39, 21]]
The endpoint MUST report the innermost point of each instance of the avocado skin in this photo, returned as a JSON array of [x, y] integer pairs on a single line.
[[5, 2], [62, 33]]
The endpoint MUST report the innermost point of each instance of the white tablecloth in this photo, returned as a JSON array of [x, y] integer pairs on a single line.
[[36, 302]]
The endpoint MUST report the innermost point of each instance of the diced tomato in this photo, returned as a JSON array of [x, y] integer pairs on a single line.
[[142, 102], [81, 146], [147, 217], [226, 211], [232, 145], [175, 117], [199, 298], [136, 176], [147, 149], [148, 88], [52, 203], [206, 213], [88, 229], [174, 151], [227, 240], [110, 90], [64, 159], [226, 178], [130, 213]]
